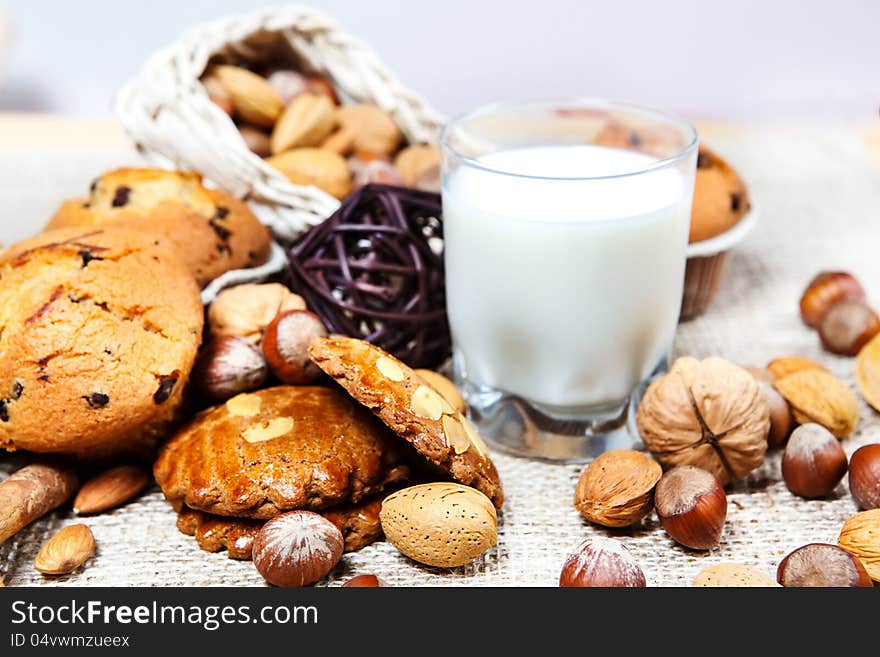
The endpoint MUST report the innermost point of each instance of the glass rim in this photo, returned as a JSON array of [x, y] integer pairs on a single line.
[[579, 102]]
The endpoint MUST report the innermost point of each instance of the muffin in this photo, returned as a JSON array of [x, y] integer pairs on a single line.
[[211, 230], [99, 329]]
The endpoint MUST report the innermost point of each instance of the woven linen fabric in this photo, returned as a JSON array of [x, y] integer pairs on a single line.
[[817, 193]]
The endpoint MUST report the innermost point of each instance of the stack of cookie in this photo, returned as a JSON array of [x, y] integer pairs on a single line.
[[317, 448]]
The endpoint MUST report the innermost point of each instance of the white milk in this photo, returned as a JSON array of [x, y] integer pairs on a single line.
[[565, 293]]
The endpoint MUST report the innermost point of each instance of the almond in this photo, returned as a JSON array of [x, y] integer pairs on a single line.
[[306, 121], [414, 162], [390, 369], [340, 142], [860, 536], [819, 396], [374, 130], [868, 373], [445, 387], [66, 551], [313, 166], [733, 575], [252, 96], [782, 367], [427, 403], [274, 428], [617, 488], [110, 489]]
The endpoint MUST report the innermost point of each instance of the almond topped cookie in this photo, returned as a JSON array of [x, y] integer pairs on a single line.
[[289, 447], [211, 230], [411, 408], [99, 329]]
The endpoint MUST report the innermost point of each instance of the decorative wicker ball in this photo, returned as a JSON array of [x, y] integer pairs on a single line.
[[374, 270]]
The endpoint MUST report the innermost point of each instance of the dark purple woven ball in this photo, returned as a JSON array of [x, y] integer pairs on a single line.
[[374, 270]]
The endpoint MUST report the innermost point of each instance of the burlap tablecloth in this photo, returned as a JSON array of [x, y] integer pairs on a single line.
[[818, 191]]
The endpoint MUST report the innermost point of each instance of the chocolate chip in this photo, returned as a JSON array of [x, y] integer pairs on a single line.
[[166, 387], [97, 399], [735, 202], [702, 161], [4, 412], [634, 140], [120, 198], [43, 377], [87, 256], [94, 185], [222, 231], [17, 389], [221, 213]]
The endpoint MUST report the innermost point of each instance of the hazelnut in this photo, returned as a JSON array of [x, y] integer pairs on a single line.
[[820, 564], [825, 291], [708, 413], [297, 548], [781, 419], [864, 476], [617, 488], [860, 537], [814, 462], [692, 507], [255, 139], [286, 346], [227, 366], [601, 562], [364, 581], [246, 310], [848, 327]]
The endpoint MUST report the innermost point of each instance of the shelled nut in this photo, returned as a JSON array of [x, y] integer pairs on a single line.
[[692, 507], [814, 462], [66, 551], [825, 291], [821, 564], [601, 562], [864, 476]]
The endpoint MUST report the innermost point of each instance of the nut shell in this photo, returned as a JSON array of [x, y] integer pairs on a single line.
[[691, 506], [868, 373], [821, 564], [782, 367], [313, 166], [227, 366], [781, 420], [246, 310], [707, 413], [732, 575], [826, 290], [306, 121], [864, 476], [286, 346], [253, 98], [860, 536], [373, 128], [297, 548], [617, 488], [364, 582], [819, 396], [445, 387], [601, 562], [440, 524], [814, 462], [848, 327]]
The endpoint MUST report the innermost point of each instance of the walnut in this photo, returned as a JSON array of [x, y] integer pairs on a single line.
[[246, 310], [708, 413]]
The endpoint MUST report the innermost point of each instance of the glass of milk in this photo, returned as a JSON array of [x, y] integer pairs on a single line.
[[565, 227]]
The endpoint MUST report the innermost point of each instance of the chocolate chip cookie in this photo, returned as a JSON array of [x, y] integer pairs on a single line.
[[99, 329], [359, 524], [411, 408], [211, 230], [720, 197], [263, 453]]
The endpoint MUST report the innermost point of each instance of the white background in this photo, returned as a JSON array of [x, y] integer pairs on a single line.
[[707, 59]]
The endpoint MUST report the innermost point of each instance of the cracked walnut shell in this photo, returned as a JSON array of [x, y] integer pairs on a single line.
[[710, 414]]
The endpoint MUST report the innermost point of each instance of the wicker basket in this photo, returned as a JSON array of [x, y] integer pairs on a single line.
[[167, 112]]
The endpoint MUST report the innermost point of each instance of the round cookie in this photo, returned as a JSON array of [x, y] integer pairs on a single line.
[[359, 524], [99, 329], [720, 197], [211, 230], [411, 408], [289, 447]]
